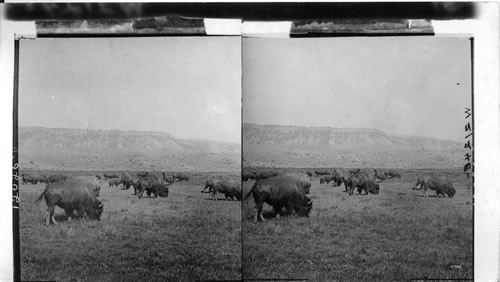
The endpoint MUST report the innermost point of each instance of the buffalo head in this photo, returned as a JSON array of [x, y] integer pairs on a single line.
[[450, 192], [95, 211], [305, 208]]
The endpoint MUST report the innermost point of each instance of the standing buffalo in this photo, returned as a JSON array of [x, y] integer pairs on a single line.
[[71, 195], [285, 191], [56, 178], [142, 174], [392, 174], [115, 182], [110, 175], [378, 176], [180, 177], [248, 175], [152, 185], [363, 182], [229, 188], [441, 185], [309, 173], [267, 174], [168, 179], [32, 179], [322, 172], [337, 178], [354, 171], [325, 179]]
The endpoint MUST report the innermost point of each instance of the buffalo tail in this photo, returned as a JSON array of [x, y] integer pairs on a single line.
[[43, 193], [250, 192]]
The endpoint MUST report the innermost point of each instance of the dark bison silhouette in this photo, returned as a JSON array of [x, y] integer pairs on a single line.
[[337, 178], [268, 174], [248, 175], [151, 184], [287, 192], [33, 179], [56, 178], [115, 182], [230, 188], [322, 172], [325, 179], [442, 185], [71, 195], [392, 174], [354, 171], [363, 182]]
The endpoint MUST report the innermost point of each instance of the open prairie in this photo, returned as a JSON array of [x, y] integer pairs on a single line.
[[395, 235], [184, 237]]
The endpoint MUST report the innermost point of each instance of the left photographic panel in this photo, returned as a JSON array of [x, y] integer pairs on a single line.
[[117, 138]]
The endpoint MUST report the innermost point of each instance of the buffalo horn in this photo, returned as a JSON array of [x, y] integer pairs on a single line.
[[100, 205]]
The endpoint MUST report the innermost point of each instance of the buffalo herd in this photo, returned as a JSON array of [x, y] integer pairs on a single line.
[[284, 193]]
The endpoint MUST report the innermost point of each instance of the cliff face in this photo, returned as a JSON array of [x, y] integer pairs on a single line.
[[38, 138], [343, 137], [78, 149]]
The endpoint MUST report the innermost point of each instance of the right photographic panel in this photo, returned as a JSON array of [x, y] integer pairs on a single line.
[[354, 151]]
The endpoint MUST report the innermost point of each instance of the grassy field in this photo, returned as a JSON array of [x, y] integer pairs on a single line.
[[396, 235], [184, 237]]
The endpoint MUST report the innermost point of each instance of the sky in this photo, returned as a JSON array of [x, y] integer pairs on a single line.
[[412, 85], [189, 87]]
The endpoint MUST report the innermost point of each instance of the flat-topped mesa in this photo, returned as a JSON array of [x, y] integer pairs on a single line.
[[346, 137], [38, 138]]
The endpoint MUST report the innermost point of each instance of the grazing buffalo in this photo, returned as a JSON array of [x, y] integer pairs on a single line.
[[248, 175], [363, 182], [267, 174], [440, 184], [115, 182], [71, 195], [325, 179], [229, 188], [142, 174], [32, 179], [354, 171], [56, 178], [392, 174], [322, 172], [380, 177], [168, 179], [180, 177], [337, 178], [281, 192], [110, 175], [309, 173], [151, 184]]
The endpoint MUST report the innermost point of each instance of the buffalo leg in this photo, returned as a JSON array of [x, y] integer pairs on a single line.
[[47, 218], [258, 213], [50, 215]]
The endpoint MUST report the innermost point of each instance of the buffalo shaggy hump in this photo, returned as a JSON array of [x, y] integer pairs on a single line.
[[71, 195], [281, 192], [442, 185]]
